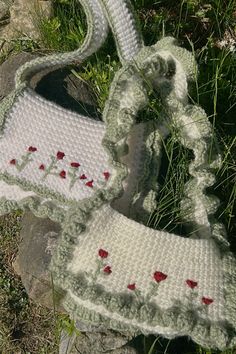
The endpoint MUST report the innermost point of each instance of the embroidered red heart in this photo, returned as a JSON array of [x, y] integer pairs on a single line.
[[107, 270], [159, 276], [13, 162], [106, 175], [191, 283], [75, 164], [42, 167], [83, 176], [62, 174], [89, 184], [32, 149], [131, 286], [103, 253], [207, 300], [60, 155]]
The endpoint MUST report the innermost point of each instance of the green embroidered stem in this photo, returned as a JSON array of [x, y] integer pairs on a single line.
[[152, 292], [25, 160], [139, 296], [51, 167], [193, 294], [72, 173]]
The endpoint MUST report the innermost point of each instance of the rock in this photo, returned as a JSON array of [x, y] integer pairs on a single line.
[[8, 69], [63, 88], [39, 239], [24, 17], [4, 12], [109, 342], [82, 327], [59, 86]]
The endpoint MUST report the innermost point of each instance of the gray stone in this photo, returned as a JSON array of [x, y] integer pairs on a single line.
[[67, 343], [8, 70], [24, 17], [109, 342], [39, 239], [68, 91], [4, 12], [82, 327], [56, 84]]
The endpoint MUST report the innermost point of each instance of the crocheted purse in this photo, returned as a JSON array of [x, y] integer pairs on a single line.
[[123, 274], [50, 157], [114, 269]]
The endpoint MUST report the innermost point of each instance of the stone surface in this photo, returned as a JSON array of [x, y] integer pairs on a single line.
[[39, 239], [4, 13], [8, 69], [109, 342], [63, 88], [60, 85], [24, 16]]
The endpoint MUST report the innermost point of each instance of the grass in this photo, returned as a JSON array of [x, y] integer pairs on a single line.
[[19, 317], [25, 327], [209, 30]]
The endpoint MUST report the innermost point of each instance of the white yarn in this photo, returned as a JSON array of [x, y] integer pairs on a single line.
[[136, 252], [50, 128], [124, 28], [13, 192]]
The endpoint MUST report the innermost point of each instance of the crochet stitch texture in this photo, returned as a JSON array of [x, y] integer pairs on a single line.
[[80, 172]]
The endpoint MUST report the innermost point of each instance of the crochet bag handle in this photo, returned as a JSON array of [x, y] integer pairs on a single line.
[[195, 132], [96, 35], [122, 23]]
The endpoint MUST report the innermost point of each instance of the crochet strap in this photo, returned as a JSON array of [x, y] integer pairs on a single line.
[[122, 23], [96, 35], [195, 133]]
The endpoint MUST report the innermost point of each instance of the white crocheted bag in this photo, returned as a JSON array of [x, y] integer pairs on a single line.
[[50, 157], [73, 169]]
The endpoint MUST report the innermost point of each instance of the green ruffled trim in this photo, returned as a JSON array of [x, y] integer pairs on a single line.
[[185, 57], [178, 320], [39, 207], [6, 105], [43, 191], [145, 197]]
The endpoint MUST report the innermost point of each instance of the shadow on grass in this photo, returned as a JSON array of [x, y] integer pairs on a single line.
[[181, 345]]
